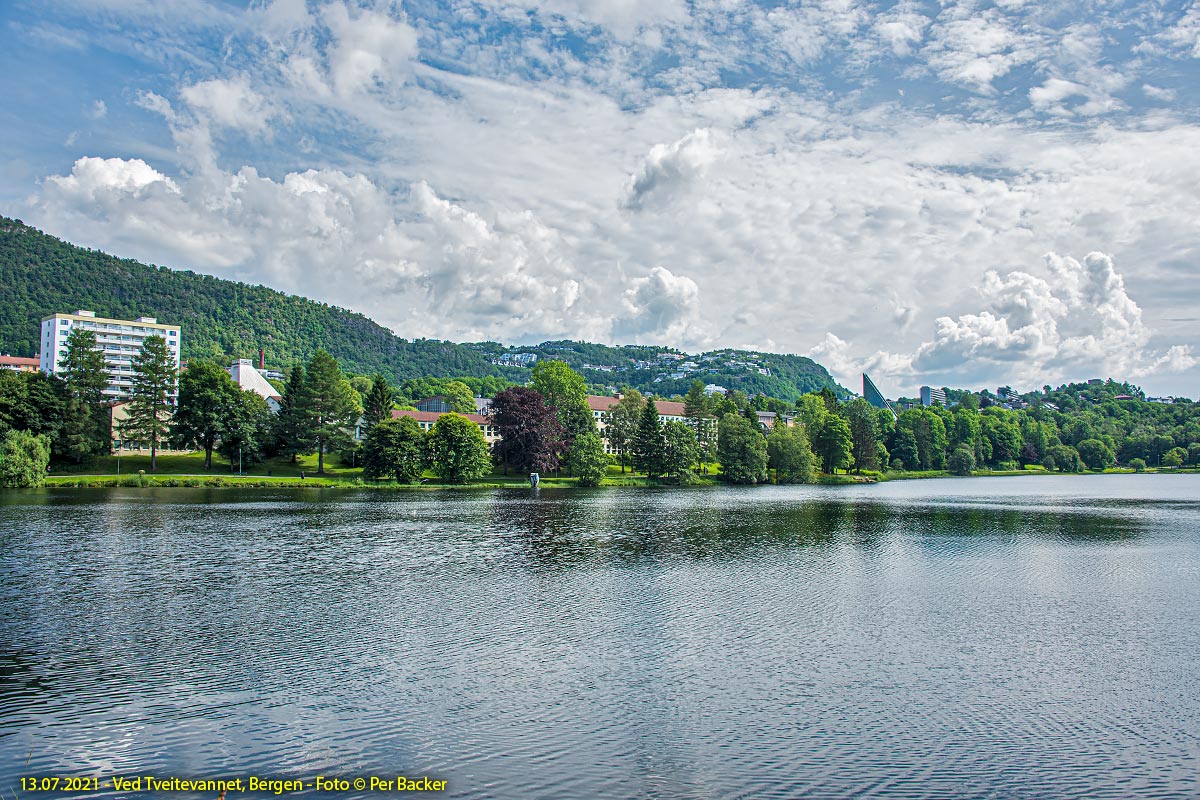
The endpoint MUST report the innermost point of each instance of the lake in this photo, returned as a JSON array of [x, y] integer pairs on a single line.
[[961, 638]]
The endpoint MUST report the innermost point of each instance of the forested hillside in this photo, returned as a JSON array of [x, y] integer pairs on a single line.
[[41, 275], [667, 372]]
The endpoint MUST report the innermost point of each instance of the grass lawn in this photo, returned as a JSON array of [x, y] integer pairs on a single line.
[[193, 464], [187, 469]]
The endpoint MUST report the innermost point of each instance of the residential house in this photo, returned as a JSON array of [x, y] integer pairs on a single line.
[[19, 364]]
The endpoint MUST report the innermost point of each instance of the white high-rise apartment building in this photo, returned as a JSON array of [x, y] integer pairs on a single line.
[[121, 340]]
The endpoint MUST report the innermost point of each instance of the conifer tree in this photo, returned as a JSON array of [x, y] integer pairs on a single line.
[[83, 368], [293, 434], [695, 404], [379, 401], [699, 412], [152, 399], [86, 376], [648, 442], [329, 405]]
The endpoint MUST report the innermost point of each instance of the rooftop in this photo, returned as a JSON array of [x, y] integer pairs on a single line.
[[434, 416]]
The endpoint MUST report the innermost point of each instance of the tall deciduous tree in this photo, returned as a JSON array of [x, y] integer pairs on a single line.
[[1097, 455], [209, 403], [329, 405], [864, 433], [247, 435], [566, 392], [742, 450], [904, 448], [620, 424], [459, 396], [811, 410], [929, 432], [681, 449], [587, 460], [458, 452], [395, 448], [531, 437], [152, 399], [789, 453], [961, 460], [377, 406], [833, 443]]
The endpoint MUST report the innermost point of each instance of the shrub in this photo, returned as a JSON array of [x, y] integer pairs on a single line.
[[23, 459], [1138, 464]]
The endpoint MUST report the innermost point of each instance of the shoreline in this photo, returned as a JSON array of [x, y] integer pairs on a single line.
[[233, 481]]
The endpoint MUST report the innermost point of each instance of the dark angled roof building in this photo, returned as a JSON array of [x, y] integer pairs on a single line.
[[874, 396]]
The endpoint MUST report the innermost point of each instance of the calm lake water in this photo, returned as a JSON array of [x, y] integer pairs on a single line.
[[987, 637]]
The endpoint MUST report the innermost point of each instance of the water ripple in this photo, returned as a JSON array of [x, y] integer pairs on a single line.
[[1010, 639]]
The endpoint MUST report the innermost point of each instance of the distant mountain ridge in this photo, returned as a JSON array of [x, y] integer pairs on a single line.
[[41, 274]]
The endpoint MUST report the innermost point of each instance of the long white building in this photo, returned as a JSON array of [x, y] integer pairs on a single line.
[[120, 339]]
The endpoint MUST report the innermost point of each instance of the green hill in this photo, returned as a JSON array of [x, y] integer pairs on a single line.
[[41, 275], [666, 371]]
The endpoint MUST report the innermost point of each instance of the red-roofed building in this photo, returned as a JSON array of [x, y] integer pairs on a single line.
[[426, 420], [19, 364], [601, 405]]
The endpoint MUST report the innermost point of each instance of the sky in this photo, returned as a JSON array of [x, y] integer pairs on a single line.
[[970, 194]]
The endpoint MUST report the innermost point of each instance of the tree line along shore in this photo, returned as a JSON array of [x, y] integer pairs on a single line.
[[332, 429]]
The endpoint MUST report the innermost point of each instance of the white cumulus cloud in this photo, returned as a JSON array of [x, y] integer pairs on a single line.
[[1081, 322], [667, 166], [661, 307], [230, 103], [368, 47]]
